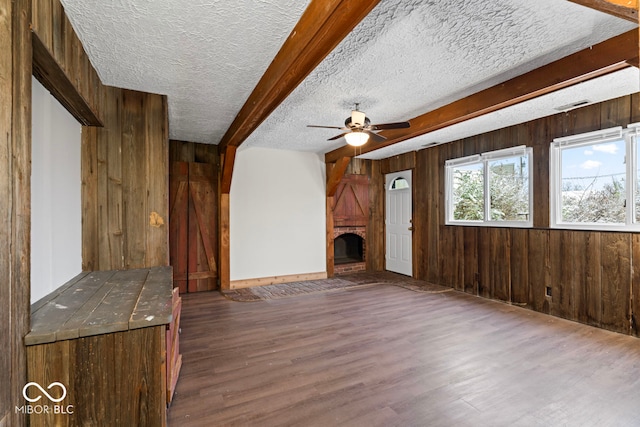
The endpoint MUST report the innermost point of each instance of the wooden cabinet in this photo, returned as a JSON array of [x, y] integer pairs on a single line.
[[174, 358], [102, 340]]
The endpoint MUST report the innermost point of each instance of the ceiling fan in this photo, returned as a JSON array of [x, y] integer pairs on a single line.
[[359, 129]]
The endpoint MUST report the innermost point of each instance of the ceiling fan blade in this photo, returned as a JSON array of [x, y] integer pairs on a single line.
[[397, 125], [326, 127], [337, 136], [375, 137]]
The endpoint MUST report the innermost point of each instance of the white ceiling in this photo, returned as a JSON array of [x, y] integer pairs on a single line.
[[404, 59]]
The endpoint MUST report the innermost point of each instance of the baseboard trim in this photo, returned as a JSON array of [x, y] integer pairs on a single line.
[[263, 281]]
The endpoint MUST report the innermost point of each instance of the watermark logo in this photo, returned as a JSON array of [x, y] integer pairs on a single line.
[[39, 387], [55, 392]]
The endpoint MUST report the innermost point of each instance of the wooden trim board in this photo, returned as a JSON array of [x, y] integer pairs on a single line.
[[52, 76], [263, 281]]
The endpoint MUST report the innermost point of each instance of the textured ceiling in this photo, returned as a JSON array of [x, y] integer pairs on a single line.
[[404, 59], [206, 55]]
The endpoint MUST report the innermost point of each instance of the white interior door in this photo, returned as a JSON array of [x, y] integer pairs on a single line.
[[398, 224]]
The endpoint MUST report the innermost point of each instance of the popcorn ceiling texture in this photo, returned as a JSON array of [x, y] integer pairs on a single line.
[[610, 86], [404, 59], [206, 55], [410, 57]]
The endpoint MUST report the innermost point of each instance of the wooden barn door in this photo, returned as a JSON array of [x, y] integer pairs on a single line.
[[351, 206], [192, 225]]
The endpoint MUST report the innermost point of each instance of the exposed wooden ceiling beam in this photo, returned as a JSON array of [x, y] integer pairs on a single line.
[[322, 26], [625, 9], [228, 161], [603, 58], [335, 175]]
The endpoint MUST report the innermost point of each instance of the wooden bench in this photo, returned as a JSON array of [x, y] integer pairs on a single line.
[[103, 335]]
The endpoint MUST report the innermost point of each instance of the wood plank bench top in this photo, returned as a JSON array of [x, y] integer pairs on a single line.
[[101, 302]]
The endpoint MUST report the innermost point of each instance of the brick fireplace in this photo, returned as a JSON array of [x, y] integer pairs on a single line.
[[350, 218], [349, 245]]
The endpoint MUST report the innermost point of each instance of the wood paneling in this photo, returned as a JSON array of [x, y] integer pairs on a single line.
[[563, 286], [179, 223], [66, 71], [539, 138], [156, 141], [539, 270], [519, 264], [401, 162], [134, 173], [375, 227], [330, 247], [190, 152], [116, 378], [616, 281], [124, 164], [110, 183], [15, 201], [55, 36], [635, 290], [588, 274], [125, 183], [53, 77], [470, 267], [587, 264]]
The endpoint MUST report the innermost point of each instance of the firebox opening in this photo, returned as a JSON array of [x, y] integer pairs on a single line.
[[348, 248]]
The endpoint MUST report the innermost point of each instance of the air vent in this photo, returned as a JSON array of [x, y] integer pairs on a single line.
[[573, 105]]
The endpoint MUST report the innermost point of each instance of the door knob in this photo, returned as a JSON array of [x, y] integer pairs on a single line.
[[410, 228]]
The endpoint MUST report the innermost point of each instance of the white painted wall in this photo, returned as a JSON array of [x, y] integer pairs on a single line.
[[277, 214], [56, 223]]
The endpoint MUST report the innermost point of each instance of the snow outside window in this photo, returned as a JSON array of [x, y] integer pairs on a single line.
[[594, 180], [493, 189]]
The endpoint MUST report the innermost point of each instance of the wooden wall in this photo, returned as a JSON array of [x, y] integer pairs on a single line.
[[125, 185], [112, 379], [15, 202], [590, 274], [125, 161], [137, 121], [192, 152], [74, 72]]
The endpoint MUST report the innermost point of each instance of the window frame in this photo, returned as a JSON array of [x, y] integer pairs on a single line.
[[485, 159], [630, 136], [397, 179]]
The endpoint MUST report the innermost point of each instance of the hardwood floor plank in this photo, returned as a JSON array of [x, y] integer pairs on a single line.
[[386, 355]]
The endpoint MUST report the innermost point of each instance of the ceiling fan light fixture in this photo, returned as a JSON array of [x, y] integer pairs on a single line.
[[356, 139]]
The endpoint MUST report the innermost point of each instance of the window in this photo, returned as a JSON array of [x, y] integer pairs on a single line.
[[490, 189], [593, 175], [399, 184]]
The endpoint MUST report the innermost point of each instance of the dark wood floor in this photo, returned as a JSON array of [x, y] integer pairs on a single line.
[[388, 356]]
